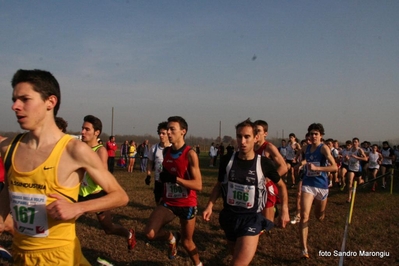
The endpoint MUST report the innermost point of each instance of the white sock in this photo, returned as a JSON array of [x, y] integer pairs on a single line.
[[199, 264], [173, 240]]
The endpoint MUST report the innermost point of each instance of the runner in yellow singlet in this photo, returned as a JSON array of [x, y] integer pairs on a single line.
[[40, 191]]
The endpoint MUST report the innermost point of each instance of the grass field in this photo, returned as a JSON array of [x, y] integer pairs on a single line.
[[375, 227]]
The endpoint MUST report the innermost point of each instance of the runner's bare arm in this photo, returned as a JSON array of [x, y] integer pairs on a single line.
[[206, 215], [363, 156], [4, 195], [4, 206], [81, 156], [150, 165], [330, 168], [196, 180], [278, 159], [102, 152], [282, 190]]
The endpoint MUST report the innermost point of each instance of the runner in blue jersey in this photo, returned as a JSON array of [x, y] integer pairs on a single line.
[[315, 181]]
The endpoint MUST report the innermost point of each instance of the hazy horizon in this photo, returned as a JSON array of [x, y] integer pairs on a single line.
[[289, 63]]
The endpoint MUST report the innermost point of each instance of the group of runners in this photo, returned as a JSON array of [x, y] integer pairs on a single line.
[[52, 179]]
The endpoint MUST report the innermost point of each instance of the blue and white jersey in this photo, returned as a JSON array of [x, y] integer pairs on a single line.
[[311, 178]]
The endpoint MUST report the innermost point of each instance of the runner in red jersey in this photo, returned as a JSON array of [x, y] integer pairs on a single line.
[[267, 149], [182, 178]]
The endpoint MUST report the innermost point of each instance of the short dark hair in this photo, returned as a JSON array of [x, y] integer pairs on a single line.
[[96, 122], [163, 125], [318, 127], [182, 122], [263, 124], [247, 123], [61, 124], [42, 82]]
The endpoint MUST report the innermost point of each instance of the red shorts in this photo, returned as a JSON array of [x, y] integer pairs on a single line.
[[272, 194]]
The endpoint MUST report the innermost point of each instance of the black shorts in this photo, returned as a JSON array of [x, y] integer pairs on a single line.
[[186, 213], [97, 195], [1, 186], [239, 225], [158, 191], [357, 174], [301, 174], [344, 166], [291, 162], [363, 163], [387, 166]]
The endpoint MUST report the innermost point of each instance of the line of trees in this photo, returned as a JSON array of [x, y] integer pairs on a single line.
[[204, 143]]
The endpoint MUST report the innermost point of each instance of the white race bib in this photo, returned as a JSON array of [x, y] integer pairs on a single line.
[[240, 195], [174, 191], [373, 164], [29, 213], [311, 172]]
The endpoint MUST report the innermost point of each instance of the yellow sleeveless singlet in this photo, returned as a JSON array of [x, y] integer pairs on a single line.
[[88, 186], [37, 235]]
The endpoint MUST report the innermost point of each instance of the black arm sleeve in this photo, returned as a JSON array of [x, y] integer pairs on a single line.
[[222, 166], [270, 170]]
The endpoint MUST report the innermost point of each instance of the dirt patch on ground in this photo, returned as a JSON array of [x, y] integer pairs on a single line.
[[374, 228]]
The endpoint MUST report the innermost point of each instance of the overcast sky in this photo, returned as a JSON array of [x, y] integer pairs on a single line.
[[290, 63]]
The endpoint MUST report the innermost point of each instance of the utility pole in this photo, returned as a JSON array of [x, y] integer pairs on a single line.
[[220, 131], [112, 122]]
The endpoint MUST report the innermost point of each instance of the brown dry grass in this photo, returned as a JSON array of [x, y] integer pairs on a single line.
[[374, 228]]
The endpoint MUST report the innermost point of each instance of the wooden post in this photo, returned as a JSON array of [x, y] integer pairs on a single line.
[[392, 180]]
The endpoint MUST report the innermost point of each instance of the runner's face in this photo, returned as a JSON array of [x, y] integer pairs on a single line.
[[175, 133], [28, 106], [246, 139], [163, 135], [355, 143], [88, 133], [315, 136], [385, 145], [261, 133], [336, 145], [348, 146]]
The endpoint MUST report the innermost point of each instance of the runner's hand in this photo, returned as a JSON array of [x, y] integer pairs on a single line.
[[167, 177], [148, 180], [62, 209]]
